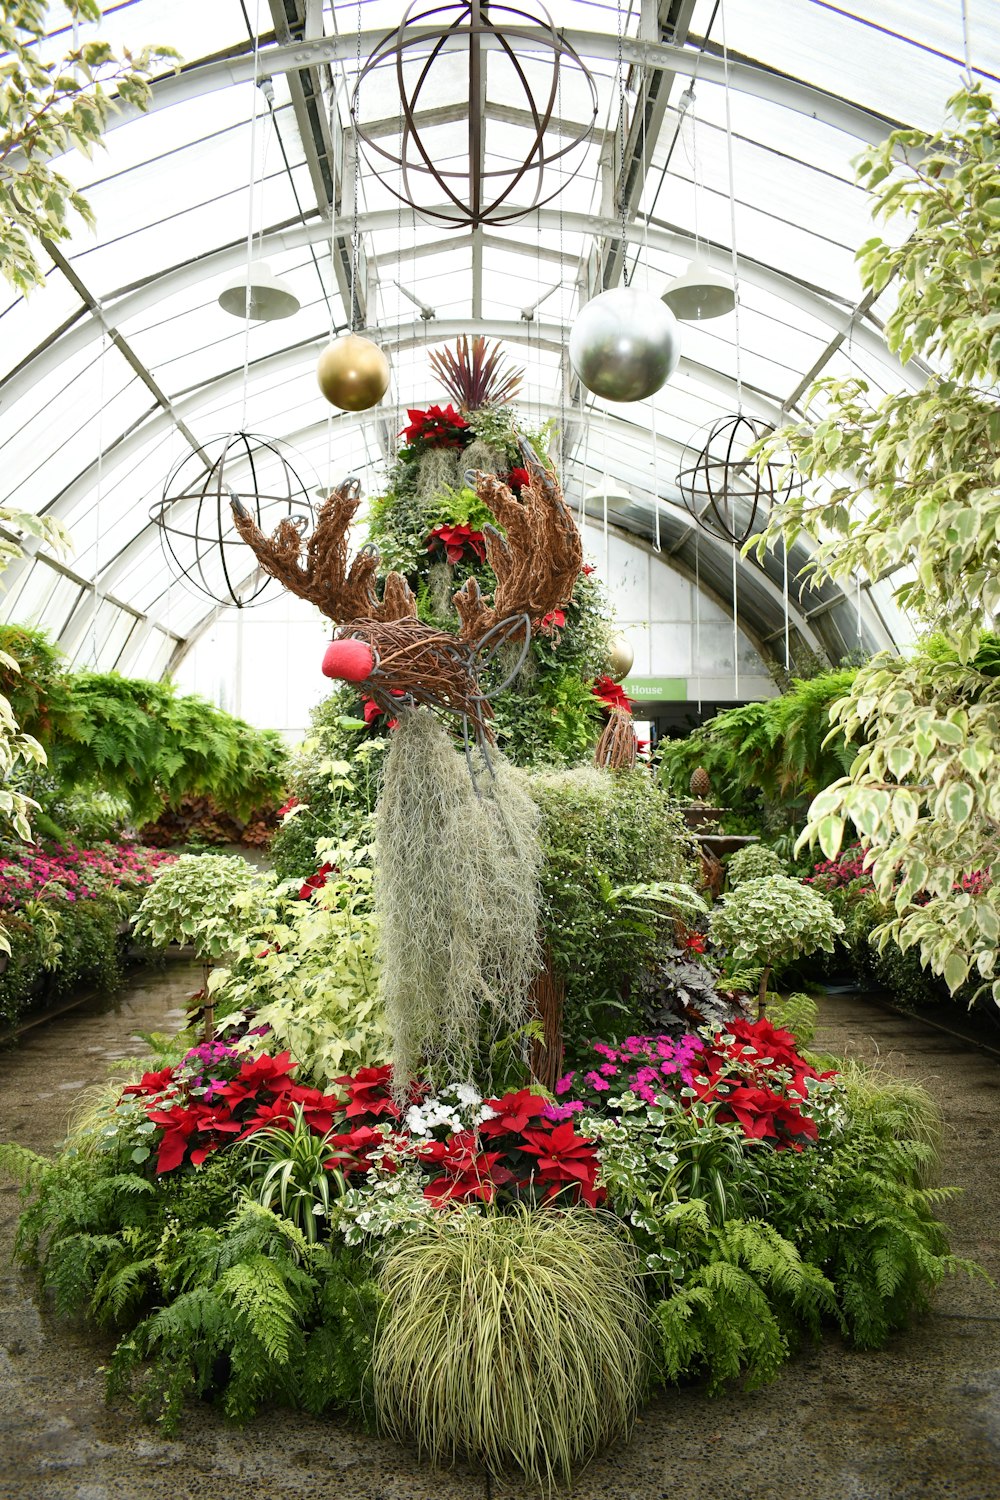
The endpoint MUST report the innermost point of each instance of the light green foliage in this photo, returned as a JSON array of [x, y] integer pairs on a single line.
[[743, 1307], [886, 1105], [924, 794], [753, 862], [308, 970], [288, 1175], [18, 749], [796, 1013], [922, 461], [773, 918], [913, 484], [457, 870], [203, 899], [46, 109], [516, 1340], [336, 777]]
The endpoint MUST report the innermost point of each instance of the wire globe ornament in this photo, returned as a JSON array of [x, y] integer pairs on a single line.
[[445, 169], [194, 514], [723, 488]]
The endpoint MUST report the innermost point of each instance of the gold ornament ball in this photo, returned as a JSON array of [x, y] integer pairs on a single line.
[[353, 373], [622, 656]]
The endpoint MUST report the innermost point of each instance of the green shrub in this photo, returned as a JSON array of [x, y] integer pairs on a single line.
[[771, 921], [514, 1340], [753, 862], [771, 755], [602, 831], [134, 739], [308, 970], [201, 899]]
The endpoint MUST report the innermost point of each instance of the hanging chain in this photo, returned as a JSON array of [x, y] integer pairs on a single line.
[[621, 160]]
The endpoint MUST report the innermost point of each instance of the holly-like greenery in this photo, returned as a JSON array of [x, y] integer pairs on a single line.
[[910, 482], [46, 109]]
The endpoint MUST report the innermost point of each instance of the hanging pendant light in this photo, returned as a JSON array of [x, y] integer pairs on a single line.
[[702, 292], [270, 298]]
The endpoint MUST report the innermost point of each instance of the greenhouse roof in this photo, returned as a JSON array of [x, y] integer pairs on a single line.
[[740, 125]]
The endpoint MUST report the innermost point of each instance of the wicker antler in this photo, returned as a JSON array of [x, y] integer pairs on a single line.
[[536, 564], [322, 576]]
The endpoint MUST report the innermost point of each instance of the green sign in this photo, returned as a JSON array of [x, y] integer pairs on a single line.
[[656, 689]]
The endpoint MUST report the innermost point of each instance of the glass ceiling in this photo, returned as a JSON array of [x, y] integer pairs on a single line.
[[125, 362]]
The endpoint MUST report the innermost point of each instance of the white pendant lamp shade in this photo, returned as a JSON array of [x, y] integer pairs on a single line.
[[702, 292], [270, 298]]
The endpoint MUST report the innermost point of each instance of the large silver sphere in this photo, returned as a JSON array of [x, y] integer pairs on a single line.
[[624, 345]]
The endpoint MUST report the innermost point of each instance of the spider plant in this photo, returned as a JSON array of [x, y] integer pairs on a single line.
[[288, 1174]]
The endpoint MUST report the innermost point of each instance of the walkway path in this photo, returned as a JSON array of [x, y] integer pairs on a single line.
[[919, 1420]]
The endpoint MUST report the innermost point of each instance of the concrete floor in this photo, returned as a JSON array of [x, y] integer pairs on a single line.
[[917, 1421]]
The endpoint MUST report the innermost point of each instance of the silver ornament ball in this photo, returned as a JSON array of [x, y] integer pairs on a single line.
[[624, 345]]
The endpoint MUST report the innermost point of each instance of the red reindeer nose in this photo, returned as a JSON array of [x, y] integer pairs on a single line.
[[350, 660]]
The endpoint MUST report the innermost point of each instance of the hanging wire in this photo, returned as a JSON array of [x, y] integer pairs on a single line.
[[736, 633], [356, 163], [732, 208], [622, 205], [100, 485], [253, 178], [697, 611], [604, 497], [967, 44], [652, 399]]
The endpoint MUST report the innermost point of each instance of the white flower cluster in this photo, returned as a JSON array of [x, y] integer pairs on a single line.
[[457, 1107]]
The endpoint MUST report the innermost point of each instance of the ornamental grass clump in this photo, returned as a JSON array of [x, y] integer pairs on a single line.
[[513, 1339], [456, 901]]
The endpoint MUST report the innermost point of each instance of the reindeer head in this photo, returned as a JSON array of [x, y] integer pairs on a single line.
[[381, 646]]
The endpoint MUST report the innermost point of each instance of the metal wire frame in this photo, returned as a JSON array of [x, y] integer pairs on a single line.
[[445, 674], [715, 475], [194, 514], [478, 196]]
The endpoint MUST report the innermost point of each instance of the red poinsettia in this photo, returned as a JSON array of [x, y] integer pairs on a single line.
[[287, 808], [316, 882], [517, 479], [512, 1112], [437, 427], [455, 539], [695, 942], [611, 694], [754, 1074], [564, 1159], [553, 621], [369, 1092]]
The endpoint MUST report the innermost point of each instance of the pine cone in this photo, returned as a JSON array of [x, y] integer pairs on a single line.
[[700, 784]]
